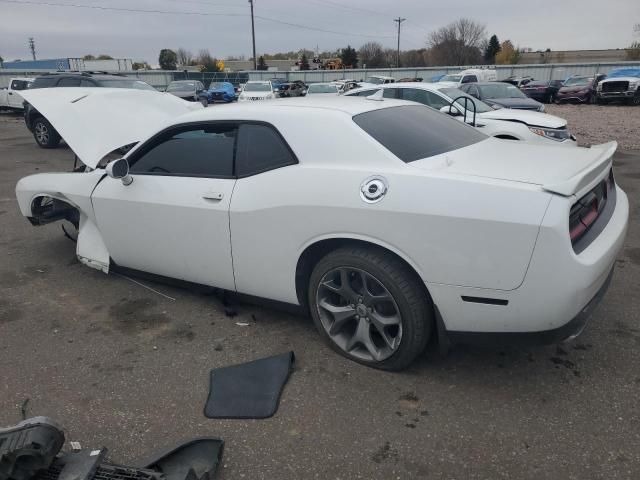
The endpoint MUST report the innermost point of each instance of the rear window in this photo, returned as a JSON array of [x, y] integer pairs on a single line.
[[415, 132]]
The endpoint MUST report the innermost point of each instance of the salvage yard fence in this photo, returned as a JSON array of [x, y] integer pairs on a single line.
[[161, 78]]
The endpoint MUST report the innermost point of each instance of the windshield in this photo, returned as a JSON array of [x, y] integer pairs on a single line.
[[501, 90], [257, 87], [625, 72], [415, 132], [216, 85], [451, 78], [452, 93], [126, 83], [322, 89], [181, 87], [576, 81]]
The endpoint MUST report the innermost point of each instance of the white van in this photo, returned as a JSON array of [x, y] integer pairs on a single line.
[[469, 76]]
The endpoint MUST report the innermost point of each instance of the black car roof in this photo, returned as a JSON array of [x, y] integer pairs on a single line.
[[90, 74]]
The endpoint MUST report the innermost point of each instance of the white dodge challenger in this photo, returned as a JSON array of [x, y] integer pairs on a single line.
[[389, 221]]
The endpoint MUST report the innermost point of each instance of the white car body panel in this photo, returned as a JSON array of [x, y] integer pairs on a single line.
[[144, 221], [118, 116], [489, 220]]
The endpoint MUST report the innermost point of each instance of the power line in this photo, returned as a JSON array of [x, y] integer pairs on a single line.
[[201, 14]]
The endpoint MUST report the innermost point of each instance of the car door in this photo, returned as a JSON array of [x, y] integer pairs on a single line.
[[173, 220], [265, 169], [14, 98]]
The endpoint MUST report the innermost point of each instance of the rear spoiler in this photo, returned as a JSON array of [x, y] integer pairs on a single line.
[[601, 162]]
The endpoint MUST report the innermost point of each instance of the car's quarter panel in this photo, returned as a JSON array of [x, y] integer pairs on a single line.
[[169, 225], [452, 229], [565, 280]]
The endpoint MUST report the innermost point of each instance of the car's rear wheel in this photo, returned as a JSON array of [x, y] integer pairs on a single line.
[[44, 134], [370, 307], [204, 101], [550, 98]]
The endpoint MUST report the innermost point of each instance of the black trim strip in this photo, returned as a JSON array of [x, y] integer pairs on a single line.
[[488, 301]]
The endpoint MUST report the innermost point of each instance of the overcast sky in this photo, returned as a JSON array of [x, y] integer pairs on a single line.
[[225, 30]]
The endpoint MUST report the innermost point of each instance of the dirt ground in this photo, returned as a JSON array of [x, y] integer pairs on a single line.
[[126, 368], [594, 124]]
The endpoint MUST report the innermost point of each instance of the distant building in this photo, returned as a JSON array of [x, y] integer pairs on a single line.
[[114, 65], [573, 56]]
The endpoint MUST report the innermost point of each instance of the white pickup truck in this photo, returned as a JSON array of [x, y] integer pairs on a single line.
[[10, 98]]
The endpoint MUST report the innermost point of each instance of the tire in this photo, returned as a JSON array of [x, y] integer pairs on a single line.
[[601, 101], [44, 134], [401, 303], [204, 102], [550, 98], [591, 99], [635, 100]]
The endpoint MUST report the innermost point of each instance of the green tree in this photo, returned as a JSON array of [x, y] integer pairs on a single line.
[[349, 57], [104, 57], [89, 57], [304, 62], [262, 65], [493, 47], [167, 59]]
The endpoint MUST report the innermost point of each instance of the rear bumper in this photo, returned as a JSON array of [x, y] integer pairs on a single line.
[[566, 332]]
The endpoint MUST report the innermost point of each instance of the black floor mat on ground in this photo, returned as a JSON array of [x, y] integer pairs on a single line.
[[248, 390]]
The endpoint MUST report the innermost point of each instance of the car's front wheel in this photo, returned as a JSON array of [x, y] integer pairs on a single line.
[[370, 307], [204, 101], [44, 134]]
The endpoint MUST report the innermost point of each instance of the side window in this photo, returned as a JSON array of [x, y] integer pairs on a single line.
[[18, 85], [202, 151], [391, 93], [87, 83], [473, 91], [415, 95], [261, 148], [69, 82], [425, 97]]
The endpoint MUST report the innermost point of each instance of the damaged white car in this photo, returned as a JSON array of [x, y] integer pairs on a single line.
[[396, 224]]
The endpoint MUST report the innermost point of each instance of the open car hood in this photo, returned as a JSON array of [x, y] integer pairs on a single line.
[[556, 169], [536, 119], [97, 121]]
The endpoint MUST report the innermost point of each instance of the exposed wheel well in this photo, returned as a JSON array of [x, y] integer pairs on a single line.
[[313, 253], [506, 137], [45, 209]]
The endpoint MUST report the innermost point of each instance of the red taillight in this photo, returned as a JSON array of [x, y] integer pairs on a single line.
[[585, 212]]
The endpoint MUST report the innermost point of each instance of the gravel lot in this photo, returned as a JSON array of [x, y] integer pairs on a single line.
[[594, 124], [122, 367]]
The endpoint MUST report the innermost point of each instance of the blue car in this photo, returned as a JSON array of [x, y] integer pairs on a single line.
[[221, 92]]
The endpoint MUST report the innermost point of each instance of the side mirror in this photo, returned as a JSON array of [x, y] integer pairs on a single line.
[[451, 110], [119, 169]]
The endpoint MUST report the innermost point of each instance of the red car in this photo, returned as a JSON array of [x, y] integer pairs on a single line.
[[579, 90]]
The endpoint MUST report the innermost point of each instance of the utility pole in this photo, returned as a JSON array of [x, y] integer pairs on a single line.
[[32, 47], [399, 20], [253, 37]]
